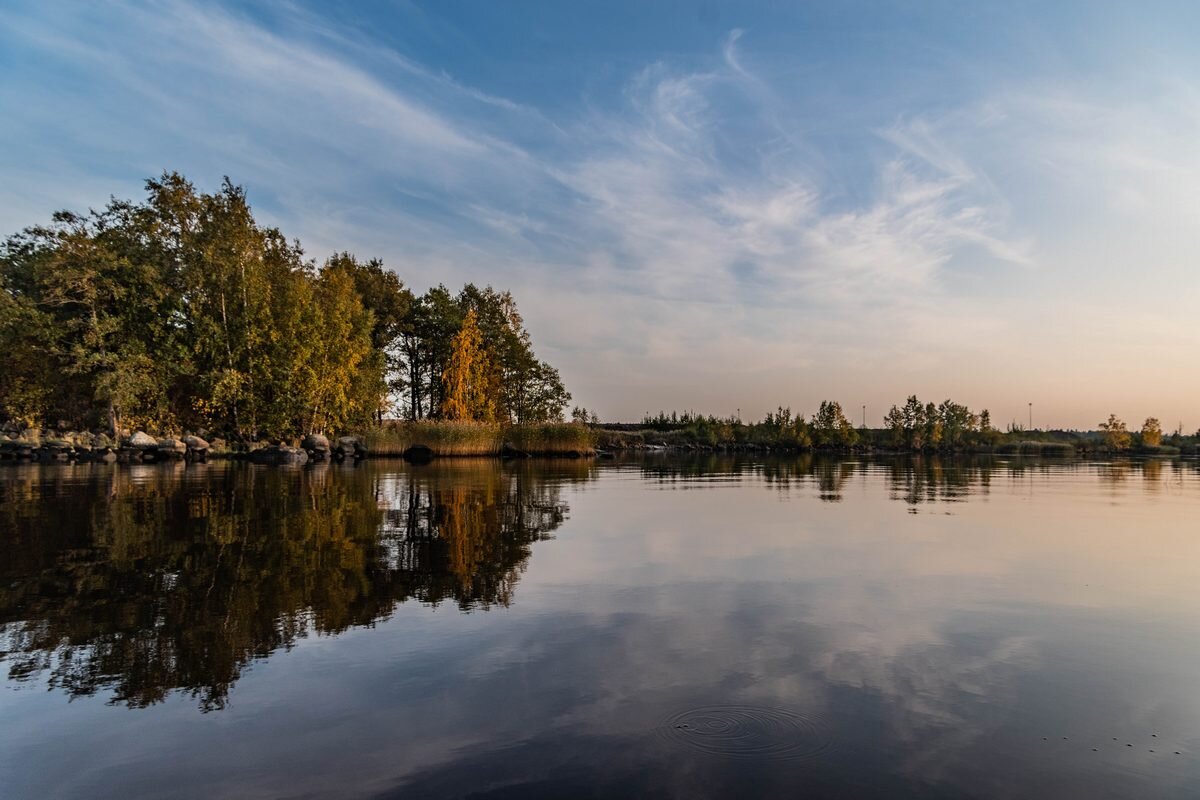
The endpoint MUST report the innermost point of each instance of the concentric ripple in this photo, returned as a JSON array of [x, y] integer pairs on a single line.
[[749, 731]]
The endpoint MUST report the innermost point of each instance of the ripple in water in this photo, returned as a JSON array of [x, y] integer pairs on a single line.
[[748, 731]]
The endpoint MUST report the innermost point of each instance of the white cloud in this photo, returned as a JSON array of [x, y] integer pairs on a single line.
[[692, 238]]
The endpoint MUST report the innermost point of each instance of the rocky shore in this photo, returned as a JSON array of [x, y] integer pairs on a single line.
[[141, 447]]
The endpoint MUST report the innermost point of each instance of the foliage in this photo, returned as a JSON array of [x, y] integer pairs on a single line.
[[1152, 433], [830, 427], [469, 377], [582, 416], [182, 312], [1116, 436]]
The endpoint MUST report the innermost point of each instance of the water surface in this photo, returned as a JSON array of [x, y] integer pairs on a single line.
[[679, 627]]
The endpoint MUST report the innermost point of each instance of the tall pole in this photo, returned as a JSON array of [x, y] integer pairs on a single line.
[[1031, 416], [864, 415]]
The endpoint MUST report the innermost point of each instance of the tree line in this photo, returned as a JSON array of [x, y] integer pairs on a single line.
[[912, 426], [915, 426], [182, 312]]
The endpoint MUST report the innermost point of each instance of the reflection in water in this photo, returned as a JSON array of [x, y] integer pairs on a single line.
[[701, 626], [146, 580]]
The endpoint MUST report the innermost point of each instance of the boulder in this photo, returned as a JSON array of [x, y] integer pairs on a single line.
[[100, 440], [140, 441], [316, 442], [418, 454], [350, 446], [195, 443]]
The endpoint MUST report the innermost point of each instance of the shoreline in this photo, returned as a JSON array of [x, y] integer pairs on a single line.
[[425, 441]]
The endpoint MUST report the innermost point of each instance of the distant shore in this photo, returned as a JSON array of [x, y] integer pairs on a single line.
[[745, 438]]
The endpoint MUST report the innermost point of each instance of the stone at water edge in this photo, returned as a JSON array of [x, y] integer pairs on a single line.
[[140, 440], [169, 445], [317, 442], [195, 443], [351, 445]]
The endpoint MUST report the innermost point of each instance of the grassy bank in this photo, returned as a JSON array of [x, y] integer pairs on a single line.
[[479, 439]]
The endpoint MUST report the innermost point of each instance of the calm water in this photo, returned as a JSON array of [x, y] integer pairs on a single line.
[[670, 627]]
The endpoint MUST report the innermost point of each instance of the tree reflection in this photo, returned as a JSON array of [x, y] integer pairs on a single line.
[[142, 581]]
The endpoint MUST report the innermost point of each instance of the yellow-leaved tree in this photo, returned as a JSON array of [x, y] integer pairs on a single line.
[[1116, 436], [1151, 432], [467, 378]]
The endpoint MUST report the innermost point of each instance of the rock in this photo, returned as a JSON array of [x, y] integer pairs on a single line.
[[195, 443], [350, 446], [99, 440], [169, 448], [58, 445], [317, 442], [175, 445], [140, 441], [418, 454]]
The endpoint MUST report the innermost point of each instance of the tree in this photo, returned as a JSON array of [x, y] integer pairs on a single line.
[[1152, 433], [914, 422], [895, 423], [465, 378], [383, 294], [1116, 436], [830, 428], [182, 312], [349, 372]]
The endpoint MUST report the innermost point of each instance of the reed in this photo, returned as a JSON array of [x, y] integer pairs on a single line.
[[553, 439], [439, 438], [478, 439]]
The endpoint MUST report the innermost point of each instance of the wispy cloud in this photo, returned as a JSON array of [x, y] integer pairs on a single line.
[[738, 238]]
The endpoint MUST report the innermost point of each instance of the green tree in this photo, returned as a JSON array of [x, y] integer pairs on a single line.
[[830, 428], [914, 423], [390, 303]]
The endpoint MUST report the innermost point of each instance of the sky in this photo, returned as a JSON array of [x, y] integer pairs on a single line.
[[706, 206]]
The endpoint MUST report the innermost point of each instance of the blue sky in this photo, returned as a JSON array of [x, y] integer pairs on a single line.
[[703, 205]]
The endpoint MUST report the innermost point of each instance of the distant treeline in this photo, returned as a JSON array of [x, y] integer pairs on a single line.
[[183, 313], [913, 426]]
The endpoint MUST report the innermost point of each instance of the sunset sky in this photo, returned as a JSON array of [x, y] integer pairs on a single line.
[[697, 205]]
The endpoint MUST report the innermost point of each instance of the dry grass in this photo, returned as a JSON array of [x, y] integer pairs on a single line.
[[441, 438], [478, 439], [554, 439]]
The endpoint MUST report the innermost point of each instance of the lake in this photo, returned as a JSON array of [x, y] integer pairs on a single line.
[[666, 626]]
